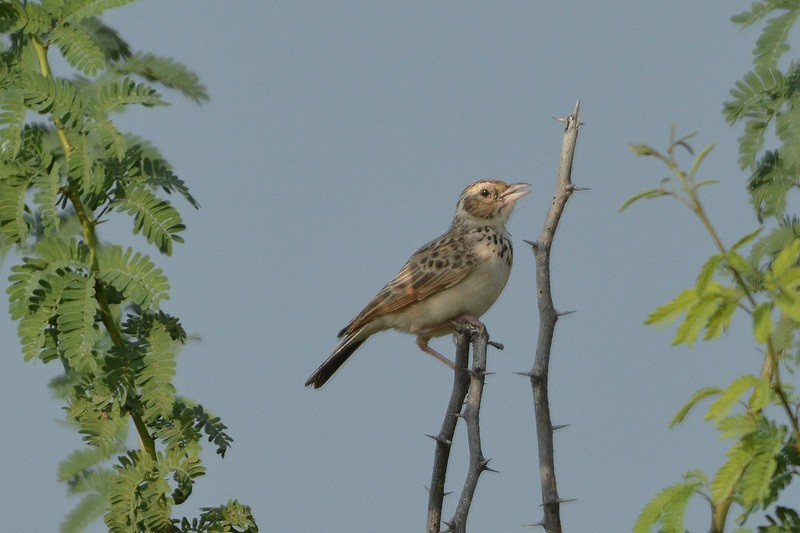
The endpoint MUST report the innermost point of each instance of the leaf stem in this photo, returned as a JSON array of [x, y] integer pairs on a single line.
[[44, 67], [770, 366], [698, 209], [719, 515], [146, 441]]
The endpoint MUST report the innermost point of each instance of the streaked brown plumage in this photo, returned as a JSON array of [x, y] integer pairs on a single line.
[[459, 274]]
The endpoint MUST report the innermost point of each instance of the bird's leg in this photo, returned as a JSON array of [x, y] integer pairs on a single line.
[[422, 342], [424, 335]]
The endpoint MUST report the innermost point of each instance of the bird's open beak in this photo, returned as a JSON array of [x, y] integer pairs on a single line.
[[514, 192]]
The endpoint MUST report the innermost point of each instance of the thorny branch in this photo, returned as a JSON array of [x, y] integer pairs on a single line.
[[444, 439], [465, 381], [477, 462], [551, 502]]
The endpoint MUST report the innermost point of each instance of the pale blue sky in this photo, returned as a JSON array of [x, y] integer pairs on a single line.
[[337, 140]]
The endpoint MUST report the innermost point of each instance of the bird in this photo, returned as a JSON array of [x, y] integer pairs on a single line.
[[457, 276]]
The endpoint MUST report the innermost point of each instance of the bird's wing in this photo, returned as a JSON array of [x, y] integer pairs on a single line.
[[437, 266]]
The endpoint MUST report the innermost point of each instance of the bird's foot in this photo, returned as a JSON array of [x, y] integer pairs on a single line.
[[471, 320]]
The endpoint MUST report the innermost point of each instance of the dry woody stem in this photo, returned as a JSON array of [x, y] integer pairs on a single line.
[[467, 384], [477, 462], [551, 502]]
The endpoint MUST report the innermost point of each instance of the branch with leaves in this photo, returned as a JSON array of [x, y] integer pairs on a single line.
[[710, 305], [758, 411], [91, 305]]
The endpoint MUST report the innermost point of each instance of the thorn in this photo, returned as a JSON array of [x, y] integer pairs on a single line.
[[473, 373], [498, 345], [534, 244], [449, 526], [440, 440], [560, 426], [534, 524], [564, 313], [567, 121], [560, 501], [526, 374], [487, 373], [484, 465], [575, 188], [427, 489]]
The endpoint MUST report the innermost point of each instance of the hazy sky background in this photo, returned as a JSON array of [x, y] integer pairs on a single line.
[[337, 140]]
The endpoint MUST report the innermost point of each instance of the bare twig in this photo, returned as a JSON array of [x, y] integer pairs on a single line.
[[548, 316], [477, 462], [444, 439]]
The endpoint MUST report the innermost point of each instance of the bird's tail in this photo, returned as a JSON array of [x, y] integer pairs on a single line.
[[324, 372]]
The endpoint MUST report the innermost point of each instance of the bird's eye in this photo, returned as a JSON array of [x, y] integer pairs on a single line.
[[485, 193]]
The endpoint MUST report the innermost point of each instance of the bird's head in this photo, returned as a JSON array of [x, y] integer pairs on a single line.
[[488, 202]]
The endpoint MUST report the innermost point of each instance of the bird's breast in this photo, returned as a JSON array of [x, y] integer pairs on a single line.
[[473, 295], [493, 266]]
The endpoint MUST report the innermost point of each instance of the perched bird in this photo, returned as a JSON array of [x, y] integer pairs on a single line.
[[456, 276]]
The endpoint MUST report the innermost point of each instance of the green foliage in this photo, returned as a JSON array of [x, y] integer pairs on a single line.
[[29, 18], [46, 199], [764, 455], [211, 425], [12, 119], [60, 178], [139, 495], [696, 397], [166, 72], [113, 46], [14, 224], [154, 217], [772, 42], [78, 10], [766, 285], [785, 519], [232, 517], [113, 94], [75, 323], [766, 95], [78, 48], [668, 508], [134, 276], [86, 474], [58, 98], [154, 380]]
